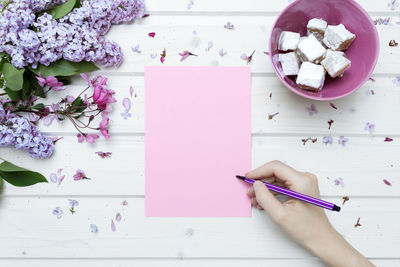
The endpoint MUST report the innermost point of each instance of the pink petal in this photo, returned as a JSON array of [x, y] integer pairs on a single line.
[[387, 182], [243, 56], [113, 228], [90, 138], [333, 105], [81, 138], [131, 90], [124, 203], [388, 139], [48, 119], [118, 217], [152, 34], [162, 59], [126, 103]]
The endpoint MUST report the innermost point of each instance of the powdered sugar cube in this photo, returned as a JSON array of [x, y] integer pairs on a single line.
[[338, 37], [335, 63], [311, 50], [311, 76], [288, 41], [290, 63], [317, 27]]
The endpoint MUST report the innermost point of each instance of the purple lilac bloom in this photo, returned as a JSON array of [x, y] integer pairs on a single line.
[[18, 132], [327, 139], [78, 36]]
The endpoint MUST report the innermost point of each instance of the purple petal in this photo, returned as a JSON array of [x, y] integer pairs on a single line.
[[126, 103], [131, 91], [53, 178], [118, 217], [387, 182], [333, 105], [388, 139], [113, 228], [124, 203]]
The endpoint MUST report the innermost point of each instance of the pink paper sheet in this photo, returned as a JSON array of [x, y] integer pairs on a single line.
[[198, 137]]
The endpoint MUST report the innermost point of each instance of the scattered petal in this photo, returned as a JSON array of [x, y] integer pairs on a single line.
[[80, 175], [330, 122], [153, 56], [131, 91], [247, 58], [185, 54], [345, 199], [327, 140], [266, 52], [396, 80], [104, 155], [372, 92], [371, 79], [339, 181], [222, 52], [53, 178], [388, 139], [393, 43], [343, 140], [152, 34], [118, 217], [393, 4], [94, 228], [163, 55], [73, 203], [126, 103], [370, 127], [113, 228], [58, 212], [136, 49], [209, 46], [387, 182], [124, 203], [358, 223], [190, 4], [312, 110], [313, 140], [229, 26], [333, 105], [271, 116]]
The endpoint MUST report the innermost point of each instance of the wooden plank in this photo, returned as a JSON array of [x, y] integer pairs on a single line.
[[309, 262], [175, 34], [362, 164], [140, 237], [353, 111], [253, 6]]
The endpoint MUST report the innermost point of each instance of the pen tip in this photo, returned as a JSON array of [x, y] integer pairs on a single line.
[[240, 177]]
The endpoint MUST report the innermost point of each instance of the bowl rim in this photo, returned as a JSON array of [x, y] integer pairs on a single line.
[[287, 85]]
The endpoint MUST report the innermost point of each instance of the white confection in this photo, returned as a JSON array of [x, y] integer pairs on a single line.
[[338, 37], [317, 25], [288, 41], [335, 63], [311, 76], [311, 50], [290, 63]]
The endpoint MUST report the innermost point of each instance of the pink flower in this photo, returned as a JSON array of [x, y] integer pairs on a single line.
[[185, 54], [80, 175], [50, 81], [90, 138], [102, 96], [48, 119], [104, 126], [69, 99]]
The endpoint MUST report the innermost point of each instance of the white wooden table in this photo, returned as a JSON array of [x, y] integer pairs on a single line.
[[31, 236]]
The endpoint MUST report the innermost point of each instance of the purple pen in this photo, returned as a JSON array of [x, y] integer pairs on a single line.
[[293, 194]]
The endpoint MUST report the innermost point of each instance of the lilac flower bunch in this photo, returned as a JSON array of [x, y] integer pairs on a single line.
[[18, 132], [32, 39]]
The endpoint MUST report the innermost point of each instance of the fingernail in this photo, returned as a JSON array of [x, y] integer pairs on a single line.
[[248, 190]]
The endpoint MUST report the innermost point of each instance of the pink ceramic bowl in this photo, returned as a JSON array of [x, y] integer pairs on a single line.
[[363, 52]]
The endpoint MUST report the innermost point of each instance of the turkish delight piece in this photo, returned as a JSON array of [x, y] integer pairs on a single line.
[[338, 37], [288, 41], [309, 49], [290, 63], [311, 76], [317, 27], [335, 63]]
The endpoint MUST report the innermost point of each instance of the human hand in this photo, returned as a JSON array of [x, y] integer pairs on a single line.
[[305, 223]]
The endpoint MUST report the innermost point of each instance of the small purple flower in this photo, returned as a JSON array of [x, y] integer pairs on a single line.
[[73, 203], [339, 181], [136, 49], [57, 178], [118, 217], [126, 103], [80, 175], [312, 110], [58, 212], [396, 80], [222, 53], [343, 140], [113, 228], [370, 127], [93, 228], [327, 140], [229, 26]]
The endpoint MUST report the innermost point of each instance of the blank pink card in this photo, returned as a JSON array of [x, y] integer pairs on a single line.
[[198, 137]]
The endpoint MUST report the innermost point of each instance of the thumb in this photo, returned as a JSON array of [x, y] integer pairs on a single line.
[[267, 200]]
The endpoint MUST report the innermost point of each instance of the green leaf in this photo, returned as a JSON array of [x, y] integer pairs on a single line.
[[14, 77], [38, 106], [62, 10], [64, 67], [19, 176], [14, 95], [78, 105]]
